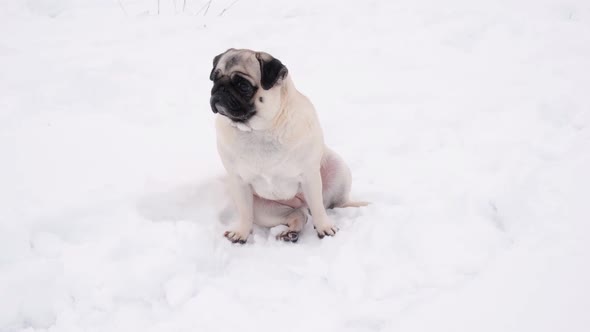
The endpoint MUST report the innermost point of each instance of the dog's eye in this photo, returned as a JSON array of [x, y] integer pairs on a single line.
[[242, 85]]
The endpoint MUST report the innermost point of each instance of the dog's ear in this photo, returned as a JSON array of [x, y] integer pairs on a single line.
[[271, 70], [215, 61]]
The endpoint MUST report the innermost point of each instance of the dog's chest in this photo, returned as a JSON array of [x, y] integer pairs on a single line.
[[275, 187], [273, 172]]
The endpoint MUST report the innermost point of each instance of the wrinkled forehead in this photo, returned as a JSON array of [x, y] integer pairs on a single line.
[[240, 61]]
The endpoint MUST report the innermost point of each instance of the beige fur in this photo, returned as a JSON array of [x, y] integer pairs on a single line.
[[276, 156]]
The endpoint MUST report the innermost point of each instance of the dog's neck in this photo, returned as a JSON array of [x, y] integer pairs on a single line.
[[288, 92]]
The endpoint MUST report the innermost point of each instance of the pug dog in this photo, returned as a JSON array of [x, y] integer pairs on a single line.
[[272, 146]]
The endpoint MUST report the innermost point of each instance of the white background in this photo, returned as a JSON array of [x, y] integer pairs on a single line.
[[465, 123]]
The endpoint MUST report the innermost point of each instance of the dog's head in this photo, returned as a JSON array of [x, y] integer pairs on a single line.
[[246, 85]]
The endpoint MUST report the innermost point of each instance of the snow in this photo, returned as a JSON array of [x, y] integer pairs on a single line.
[[466, 124]]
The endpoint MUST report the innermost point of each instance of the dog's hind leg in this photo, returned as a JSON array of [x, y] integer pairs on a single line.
[[295, 221], [268, 213]]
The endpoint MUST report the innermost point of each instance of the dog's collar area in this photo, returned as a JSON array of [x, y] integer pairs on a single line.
[[241, 126]]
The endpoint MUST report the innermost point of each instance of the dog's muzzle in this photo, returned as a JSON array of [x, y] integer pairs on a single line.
[[238, 113], [218, 108]]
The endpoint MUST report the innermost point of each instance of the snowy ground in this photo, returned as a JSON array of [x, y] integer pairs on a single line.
[[466, 124]]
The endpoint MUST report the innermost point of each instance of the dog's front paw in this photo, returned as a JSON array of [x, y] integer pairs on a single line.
[[237, 235], [326, 228]]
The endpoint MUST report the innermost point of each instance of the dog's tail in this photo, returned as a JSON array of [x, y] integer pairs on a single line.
[[354, 204]]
